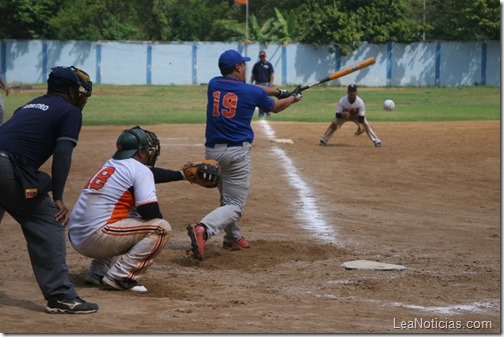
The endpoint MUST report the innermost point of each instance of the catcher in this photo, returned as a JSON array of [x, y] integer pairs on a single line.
[[116, 219], [351, 108]]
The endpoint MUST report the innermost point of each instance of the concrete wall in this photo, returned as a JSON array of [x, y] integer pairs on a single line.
[[185, 63]]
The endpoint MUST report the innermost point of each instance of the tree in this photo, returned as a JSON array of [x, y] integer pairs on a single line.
[[256, 32], [382, 21], [96, 20], [26, 19], [285, 30], [464, 20], [322, 22], [345, 24]]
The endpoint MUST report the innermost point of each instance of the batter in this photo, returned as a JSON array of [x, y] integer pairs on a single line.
[[229, 137]]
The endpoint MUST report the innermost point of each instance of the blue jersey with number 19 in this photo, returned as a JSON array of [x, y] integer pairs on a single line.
[[231, 105]]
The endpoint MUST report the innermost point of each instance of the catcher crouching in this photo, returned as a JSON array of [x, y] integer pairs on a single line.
[[117, 220]]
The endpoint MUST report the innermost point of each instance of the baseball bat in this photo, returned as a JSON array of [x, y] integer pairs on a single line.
[[342, 72]]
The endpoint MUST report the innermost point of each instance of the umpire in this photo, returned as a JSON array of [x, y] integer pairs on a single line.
[[46, 126]]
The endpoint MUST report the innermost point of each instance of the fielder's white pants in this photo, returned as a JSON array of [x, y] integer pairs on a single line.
[[338, 123]]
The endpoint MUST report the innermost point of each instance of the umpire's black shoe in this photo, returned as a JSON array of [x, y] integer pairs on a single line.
[[70, 306]]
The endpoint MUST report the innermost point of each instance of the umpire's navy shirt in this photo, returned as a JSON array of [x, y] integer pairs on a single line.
[[34, 128], [262, 71]]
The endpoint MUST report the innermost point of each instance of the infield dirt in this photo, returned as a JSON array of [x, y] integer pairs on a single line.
[[429, 199]]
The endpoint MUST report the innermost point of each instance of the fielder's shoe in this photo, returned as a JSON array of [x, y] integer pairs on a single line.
[[323, 142], [377, 144], [197, 234], [93, 279], [70, 306], [124, 284], [241, 243]]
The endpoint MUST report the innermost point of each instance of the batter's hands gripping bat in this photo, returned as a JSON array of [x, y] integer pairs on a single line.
[[342, 72]]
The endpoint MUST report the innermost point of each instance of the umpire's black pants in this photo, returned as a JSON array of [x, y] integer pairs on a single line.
[[45, 237]]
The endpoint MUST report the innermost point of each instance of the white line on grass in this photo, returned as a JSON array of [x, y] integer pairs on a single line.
[[307, 211]]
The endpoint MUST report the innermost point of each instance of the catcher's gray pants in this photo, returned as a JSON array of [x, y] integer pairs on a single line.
[[45, 237], [338, 123], [234, 186], [126, 248]]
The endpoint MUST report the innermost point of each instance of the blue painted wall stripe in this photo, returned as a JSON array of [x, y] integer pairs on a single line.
[[194, 64], [284, 65], [149, 64], [389, 63], [98, 63], [483, 63], [44, 60], [3, 65], [437, 79]]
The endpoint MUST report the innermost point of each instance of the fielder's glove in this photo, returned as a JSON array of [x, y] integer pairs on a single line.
[[205, 172], [282, 93], [297, 94]]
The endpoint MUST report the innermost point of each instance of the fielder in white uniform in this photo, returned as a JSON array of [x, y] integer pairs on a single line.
[[116, 219], [351, 108]]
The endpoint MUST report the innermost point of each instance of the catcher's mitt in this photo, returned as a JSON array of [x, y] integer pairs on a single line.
[[205, 172]]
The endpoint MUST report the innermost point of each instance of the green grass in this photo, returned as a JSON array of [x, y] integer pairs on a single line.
[[130, 105]]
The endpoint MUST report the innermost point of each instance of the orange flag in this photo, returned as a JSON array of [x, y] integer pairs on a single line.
[[243, 2]]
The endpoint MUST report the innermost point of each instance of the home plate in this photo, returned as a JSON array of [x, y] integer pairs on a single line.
[[371, 265], [285, 141]]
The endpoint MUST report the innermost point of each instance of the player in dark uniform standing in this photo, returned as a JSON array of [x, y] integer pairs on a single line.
[[263, 73], [46, 126], [229, 137]]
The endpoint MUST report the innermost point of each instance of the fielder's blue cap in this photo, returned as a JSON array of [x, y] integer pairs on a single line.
[[230, 58], [62, 78]]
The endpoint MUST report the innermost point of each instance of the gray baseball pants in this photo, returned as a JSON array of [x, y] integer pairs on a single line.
[[234, 186]]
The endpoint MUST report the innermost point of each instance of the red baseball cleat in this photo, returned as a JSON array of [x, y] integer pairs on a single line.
[[197, 234], [241, 243]]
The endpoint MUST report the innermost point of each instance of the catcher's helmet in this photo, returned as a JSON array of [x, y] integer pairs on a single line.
[[134, 139]]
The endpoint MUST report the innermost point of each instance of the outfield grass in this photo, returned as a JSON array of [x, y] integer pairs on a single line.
[[144, 105]]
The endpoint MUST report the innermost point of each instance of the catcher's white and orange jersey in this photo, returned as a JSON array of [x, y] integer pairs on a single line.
[[112, 194], [357, 106]]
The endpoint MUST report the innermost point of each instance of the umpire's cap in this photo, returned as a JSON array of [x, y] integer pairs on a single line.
[[230, 58], [62, 78]]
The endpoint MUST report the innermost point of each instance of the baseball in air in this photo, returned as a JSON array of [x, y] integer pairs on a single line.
[[388, 105]]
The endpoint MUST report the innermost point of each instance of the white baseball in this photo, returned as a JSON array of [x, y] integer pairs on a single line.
[[388, 105]]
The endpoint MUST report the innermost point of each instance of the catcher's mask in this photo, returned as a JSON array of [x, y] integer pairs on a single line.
[[62, 78], [134, 139]]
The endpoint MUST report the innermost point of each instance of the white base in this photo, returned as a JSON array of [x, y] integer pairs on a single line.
[[285, 141], [371, 265]]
